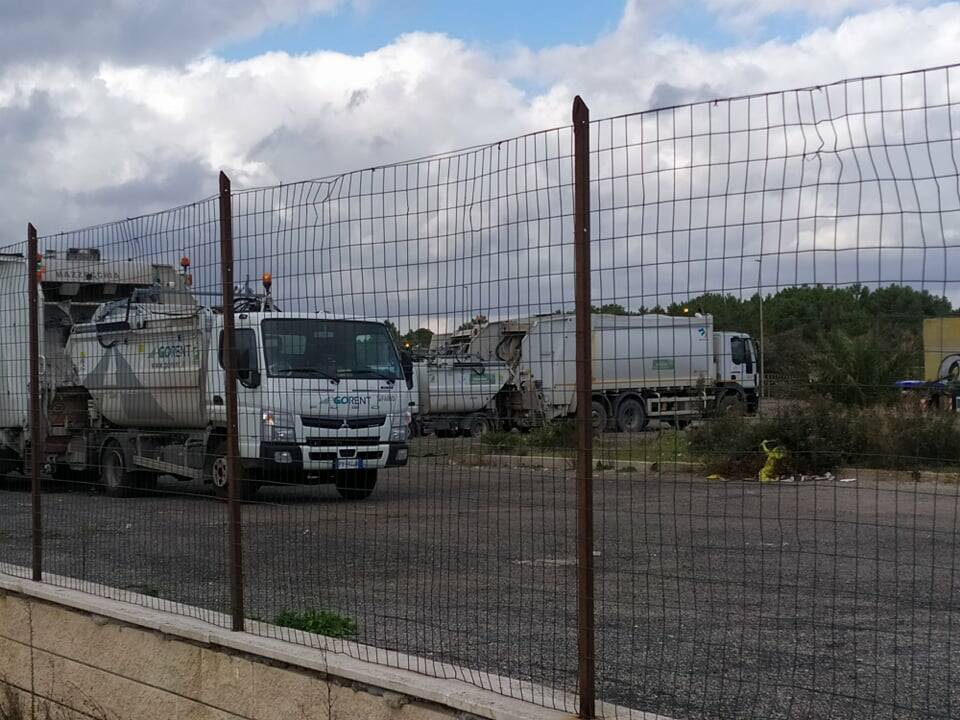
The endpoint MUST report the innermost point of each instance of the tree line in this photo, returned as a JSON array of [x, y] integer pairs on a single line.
[[851, 342]]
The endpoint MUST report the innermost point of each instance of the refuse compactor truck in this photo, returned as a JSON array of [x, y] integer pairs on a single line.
[[673, 369], [133, 387], [457, 395]]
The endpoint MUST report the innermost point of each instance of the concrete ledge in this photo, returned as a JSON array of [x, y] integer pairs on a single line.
[[441, 686]]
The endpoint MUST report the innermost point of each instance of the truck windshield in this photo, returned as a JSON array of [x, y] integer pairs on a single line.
[[329, 348]]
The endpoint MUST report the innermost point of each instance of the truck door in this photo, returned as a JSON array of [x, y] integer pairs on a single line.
[[742, 361], [248, 393]]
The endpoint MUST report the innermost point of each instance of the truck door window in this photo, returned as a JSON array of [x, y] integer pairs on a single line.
[[738, 352], [246, 342]]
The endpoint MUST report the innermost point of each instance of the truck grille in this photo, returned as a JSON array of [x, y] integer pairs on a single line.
[[336, 423], [342, 441], [362, 455]]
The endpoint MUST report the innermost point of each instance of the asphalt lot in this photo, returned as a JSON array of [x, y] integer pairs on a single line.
[[715, 599]]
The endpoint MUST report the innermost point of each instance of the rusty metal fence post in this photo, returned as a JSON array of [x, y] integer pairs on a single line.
[[36, 438], [586, 656], [230, 391]]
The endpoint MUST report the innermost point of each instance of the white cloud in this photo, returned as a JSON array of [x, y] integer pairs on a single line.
[[748, 13], [164, 31], [83, 146]]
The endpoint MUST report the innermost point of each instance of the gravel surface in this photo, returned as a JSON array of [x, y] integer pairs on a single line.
[[714, 599]]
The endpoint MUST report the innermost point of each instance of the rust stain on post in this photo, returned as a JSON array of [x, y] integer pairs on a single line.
[[230, 390], [36, 437], [586, 655]]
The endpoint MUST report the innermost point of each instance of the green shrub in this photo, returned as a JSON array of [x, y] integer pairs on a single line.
[[821, 436], [320, 622], [553, 435], [903, 438], [505, 443], [728, 445]]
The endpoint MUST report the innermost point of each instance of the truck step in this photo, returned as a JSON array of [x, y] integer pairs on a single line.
[[167, 468]]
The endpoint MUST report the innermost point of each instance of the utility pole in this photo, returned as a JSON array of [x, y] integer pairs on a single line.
[[763, 367]]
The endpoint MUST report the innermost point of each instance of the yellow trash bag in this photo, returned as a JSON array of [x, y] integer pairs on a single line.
[[768, 473]]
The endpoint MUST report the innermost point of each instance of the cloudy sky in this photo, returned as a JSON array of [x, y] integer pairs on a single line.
[[114, 108], [110, 108]]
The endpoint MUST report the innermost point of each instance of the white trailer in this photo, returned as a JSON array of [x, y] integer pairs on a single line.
[[134, 387], [673, 369], [644, 366]]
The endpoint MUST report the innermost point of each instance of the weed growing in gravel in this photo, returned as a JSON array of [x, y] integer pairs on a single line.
[[319, 622], [504, 443]]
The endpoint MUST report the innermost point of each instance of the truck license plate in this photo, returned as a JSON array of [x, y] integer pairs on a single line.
[[348, 464]]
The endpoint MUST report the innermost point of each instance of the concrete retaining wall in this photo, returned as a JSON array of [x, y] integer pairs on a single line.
[[72, 655]]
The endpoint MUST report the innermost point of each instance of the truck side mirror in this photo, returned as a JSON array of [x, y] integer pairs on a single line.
[[247, 375], [406, 364]]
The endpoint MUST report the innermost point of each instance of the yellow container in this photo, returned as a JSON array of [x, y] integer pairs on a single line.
[[941, 348]]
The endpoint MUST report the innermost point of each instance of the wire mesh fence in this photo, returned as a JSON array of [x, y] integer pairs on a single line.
[[408, 470]]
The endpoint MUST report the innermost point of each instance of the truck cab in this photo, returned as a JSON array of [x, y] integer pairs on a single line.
[[737, 367], [317, 395]]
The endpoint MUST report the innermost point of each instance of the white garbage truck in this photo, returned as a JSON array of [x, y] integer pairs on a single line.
[[672, 369], [133, 382]]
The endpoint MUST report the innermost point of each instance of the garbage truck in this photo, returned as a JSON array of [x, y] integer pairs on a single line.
[[133, 385], [672, 369]]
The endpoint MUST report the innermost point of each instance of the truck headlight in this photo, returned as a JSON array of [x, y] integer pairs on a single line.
[[400, 431], [278, 427]]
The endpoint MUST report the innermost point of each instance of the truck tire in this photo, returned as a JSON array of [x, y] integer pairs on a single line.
[[478, 427], [733, 403], [117, 479], [599, 416], [631, 417], [356, 485], [215, 473]]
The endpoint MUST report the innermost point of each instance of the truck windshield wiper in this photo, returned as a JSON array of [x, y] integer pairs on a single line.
[[315, 371], [374, 372]]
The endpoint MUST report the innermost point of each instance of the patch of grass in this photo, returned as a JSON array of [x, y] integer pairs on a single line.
[[504, 443], [558, 439], [320, 622], [661, 446]]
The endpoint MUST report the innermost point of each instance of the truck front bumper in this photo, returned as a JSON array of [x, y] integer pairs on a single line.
[[293, 458]]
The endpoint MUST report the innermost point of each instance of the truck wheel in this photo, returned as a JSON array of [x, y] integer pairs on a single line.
[[732, 403], [478, 427], [215, 473], [115, 476], [631, 416], [599, 417], [356, 485]]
